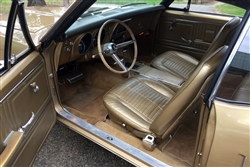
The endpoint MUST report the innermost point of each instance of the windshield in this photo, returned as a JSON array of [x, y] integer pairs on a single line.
[[102, 5]]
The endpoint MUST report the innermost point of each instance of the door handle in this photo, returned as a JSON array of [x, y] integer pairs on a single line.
[[188, 41], [34, 86], [22, 128], [171, 27]]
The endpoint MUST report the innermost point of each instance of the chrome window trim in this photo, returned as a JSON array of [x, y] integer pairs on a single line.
[[125, 147], [229, 60], [20, 82]]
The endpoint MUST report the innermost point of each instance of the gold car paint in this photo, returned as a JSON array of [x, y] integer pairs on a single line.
[[226, 141], [232, 125]]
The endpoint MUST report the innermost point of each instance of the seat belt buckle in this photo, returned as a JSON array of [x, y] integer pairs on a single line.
[[148, 142]]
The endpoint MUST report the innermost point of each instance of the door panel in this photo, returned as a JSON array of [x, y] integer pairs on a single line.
[[25, 91], [188, 32]]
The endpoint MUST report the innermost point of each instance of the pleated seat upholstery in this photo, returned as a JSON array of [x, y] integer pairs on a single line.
[[182, 65], [150, 107], [177, 63], [146, 97]]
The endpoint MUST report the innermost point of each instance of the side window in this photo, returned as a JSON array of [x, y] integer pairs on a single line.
[[179, 4], [236, 83], [18, 42], [209, 6]]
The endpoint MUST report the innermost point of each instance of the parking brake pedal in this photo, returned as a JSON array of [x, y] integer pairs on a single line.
[[74, 78]]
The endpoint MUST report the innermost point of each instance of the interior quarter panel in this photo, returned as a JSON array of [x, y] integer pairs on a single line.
[[19, 99], [199, 28]]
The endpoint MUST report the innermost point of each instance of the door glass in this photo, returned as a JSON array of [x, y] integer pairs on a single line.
[[236, 83], [19, 43], [181, 4], [209, 6]]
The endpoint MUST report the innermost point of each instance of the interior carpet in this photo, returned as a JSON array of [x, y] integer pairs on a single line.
[[182, 145], [86, 102]]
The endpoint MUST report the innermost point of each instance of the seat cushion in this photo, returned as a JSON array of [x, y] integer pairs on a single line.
[[176, 63], [137, 102]]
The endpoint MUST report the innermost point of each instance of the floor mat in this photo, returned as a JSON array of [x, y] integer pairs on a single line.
[[182, 145]]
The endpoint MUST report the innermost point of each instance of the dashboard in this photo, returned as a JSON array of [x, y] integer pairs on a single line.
[[80, 41]]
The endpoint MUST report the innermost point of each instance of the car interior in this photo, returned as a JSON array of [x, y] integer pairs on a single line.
[[137, 74], [166, 61]]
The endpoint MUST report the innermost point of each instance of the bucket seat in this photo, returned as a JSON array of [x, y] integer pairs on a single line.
[[145, 106], [182, 65]]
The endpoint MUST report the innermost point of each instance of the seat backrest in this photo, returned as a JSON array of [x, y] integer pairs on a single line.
[[224, 36], [166, 122]]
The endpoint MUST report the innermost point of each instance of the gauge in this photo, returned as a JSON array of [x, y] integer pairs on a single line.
[[96, 36], [84, 43], [81, 47]]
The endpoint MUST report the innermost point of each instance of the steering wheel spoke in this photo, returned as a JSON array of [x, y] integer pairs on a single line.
[[120, 45], [119, 62]]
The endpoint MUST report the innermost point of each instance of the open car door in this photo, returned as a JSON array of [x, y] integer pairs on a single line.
[[26, 108]]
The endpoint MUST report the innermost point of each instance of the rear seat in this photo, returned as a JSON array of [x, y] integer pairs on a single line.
[[242, 93]]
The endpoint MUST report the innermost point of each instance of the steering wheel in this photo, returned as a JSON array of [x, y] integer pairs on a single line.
[[110, 49]]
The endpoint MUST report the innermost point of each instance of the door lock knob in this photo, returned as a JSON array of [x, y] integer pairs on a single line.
[[34, 86]]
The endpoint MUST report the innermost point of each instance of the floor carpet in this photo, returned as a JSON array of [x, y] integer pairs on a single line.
[[182, 145]]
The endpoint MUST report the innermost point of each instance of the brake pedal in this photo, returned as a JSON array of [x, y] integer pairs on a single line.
[[75, 78]]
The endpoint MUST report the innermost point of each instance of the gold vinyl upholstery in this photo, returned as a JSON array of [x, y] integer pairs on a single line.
[[182, 65], [176, 63], [138, 100], [150, 106]]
